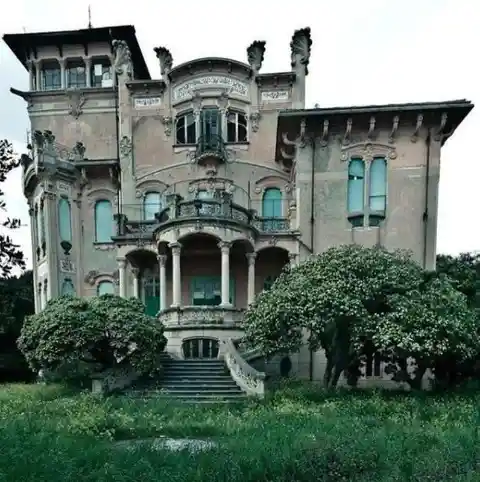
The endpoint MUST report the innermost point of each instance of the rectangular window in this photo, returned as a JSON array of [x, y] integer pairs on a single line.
[[76, 75], [51, 76], [356, 186], [207, 291], [102, 75]]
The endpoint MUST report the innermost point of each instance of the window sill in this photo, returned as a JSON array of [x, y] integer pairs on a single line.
[[373, 219], [243, 143], [104, 246]]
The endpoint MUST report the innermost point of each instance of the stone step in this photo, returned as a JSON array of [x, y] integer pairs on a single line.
[[199, 388], [172, 363], [197, 383], [189, 396], [194, 373]]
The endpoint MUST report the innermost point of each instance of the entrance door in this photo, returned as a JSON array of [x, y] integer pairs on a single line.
[[151, 290]]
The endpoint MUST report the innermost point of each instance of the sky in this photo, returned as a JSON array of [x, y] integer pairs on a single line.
[[367, 52]]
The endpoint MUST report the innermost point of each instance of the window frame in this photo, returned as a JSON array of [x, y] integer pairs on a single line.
[[214, 281], [46, 71], [236, 113], [95, 204], [106, 68], [101, 282], [144, 205], [71, 72], [64, 201], [183, 116]]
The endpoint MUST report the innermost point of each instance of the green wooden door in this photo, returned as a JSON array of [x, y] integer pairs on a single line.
[[151, 288]]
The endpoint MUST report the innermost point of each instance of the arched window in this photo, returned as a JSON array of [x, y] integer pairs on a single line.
[[378, 185], [68, 288], [356, 186], [186, 130], [51, 75], [105, 288], [76, 74], [64, 220], [103, 221], [236, 127], [152, 204]]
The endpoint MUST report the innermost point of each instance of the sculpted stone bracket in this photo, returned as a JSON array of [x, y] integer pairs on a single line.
[[123, 58], [125, 147], [300, 48], [76, 100], [255, 54], [367, 151]]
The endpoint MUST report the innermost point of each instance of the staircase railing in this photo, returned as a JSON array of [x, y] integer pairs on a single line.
[[247, 378]]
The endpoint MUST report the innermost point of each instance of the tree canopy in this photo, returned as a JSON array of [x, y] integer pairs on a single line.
[[351, 300], [99, 333], [10, 254]]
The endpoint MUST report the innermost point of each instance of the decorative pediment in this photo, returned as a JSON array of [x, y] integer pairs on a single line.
[[368, 150]]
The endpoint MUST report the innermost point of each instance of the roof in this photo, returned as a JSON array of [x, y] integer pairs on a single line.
[[371, 109], [21, 44]]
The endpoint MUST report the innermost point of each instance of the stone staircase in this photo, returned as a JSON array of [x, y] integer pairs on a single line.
[[191, 381]]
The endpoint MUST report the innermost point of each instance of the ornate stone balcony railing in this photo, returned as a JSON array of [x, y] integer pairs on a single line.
[[209, 147], [246, 377], [201, 315], [201, 210]]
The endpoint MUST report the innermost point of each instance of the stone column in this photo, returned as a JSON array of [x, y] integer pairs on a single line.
[[293, 259], [136, 274], [122, 276], [176, 277], [225, 249], [63, 78], [38, 72], [162, 263], [88, 71], [251, 277]]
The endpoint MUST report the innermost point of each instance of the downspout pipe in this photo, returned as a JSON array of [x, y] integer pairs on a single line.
[[428, 142], [312, 232]]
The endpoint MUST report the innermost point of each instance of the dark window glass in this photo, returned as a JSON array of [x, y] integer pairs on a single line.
[[76, 74], [51, 76]]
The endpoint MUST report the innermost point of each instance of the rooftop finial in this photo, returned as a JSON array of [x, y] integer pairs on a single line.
[[89, 17]]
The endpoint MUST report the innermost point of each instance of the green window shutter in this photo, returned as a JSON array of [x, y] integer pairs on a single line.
[[64, 220]]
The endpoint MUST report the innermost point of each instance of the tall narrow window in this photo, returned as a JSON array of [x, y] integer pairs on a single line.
[[51, 75], [378, 185], [105, 288], [76, 74], [68, 288], [64, 220], [101, 74], [272, 209], [103, 221], [356, 186], [210, 128], [152, 204], [41, 220], [186, 131], [236, 127]]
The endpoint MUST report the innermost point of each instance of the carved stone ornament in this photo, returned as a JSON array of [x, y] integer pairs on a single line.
[[76, 100], [367, 151], [125, 146], [67, 266], [300, 47], [167, 122], [255, 120], [166, 60], [123, 58], [256, 53], [79, 151], [91, 276]]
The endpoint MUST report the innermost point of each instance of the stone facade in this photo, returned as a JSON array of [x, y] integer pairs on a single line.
[[213, 178]]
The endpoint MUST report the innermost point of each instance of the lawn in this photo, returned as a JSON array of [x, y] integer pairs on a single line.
[[299, 434]]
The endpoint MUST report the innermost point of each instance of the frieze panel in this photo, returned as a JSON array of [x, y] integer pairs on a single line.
[[147, 102], [187, 89], [275, 96]]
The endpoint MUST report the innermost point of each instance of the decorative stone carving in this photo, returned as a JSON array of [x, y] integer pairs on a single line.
[[91, 276], [104, 247], [125, 146], [76, 100], [223, 100], [67, 266], [255, 120], [116, 277], [300, 48], [123, 58], [79, 151], [256, 53], [167, 122], [367, 151], [166, 61]]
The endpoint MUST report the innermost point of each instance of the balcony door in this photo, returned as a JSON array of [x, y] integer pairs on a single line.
[[210, 127]]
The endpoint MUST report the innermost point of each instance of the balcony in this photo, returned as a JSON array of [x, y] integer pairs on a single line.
[[201, 315], [222, 212], [211, 150]]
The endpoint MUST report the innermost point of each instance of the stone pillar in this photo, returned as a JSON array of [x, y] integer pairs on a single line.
[[176, 276], [225, 249], [122, 276], [136, 274], [63, 78], [251, 277], [38, 72], [88, 71], [293, 259], [162, 272]]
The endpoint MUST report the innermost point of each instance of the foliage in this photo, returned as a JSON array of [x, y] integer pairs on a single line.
[[10, 254], [94, 334], [351, 300], [301, 434], [16, 302]]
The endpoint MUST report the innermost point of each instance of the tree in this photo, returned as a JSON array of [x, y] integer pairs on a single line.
[[351, 300], [10, 254], [97, 334]]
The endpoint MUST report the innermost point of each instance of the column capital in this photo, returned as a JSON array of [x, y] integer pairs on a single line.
[[251, 257], [135, 271], [292, 257], [224, 246], [175, 247], [122, 262], [162, 259]]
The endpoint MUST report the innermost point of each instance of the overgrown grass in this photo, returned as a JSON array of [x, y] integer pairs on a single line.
[[299, 434]]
